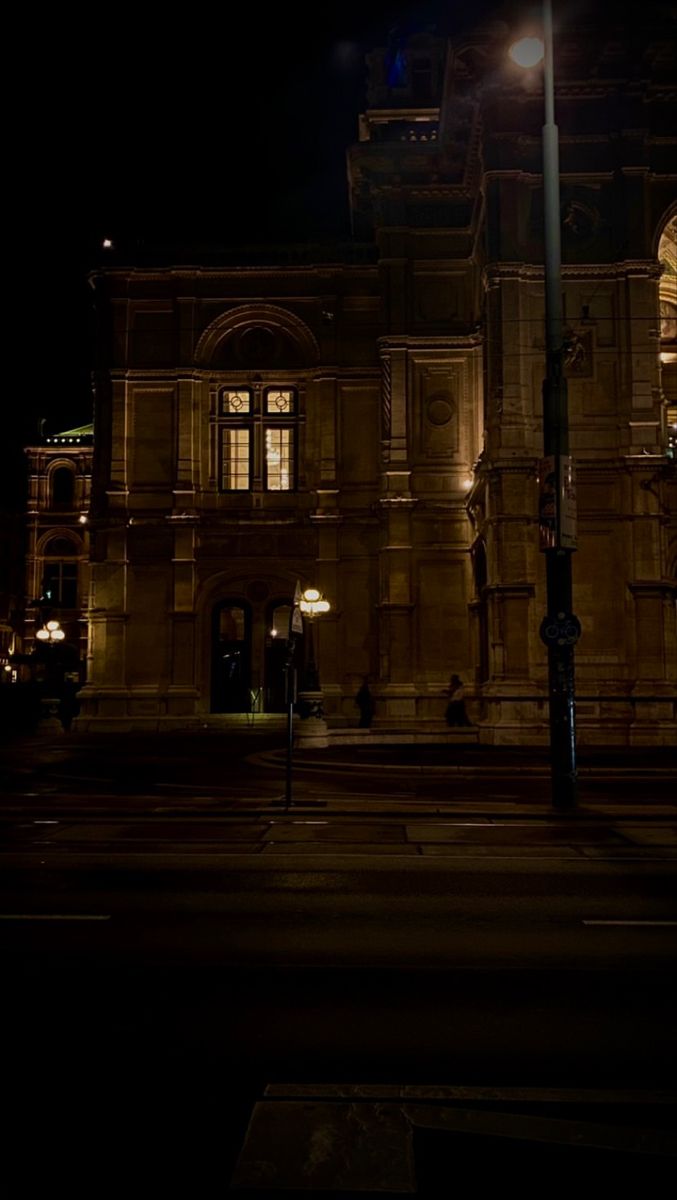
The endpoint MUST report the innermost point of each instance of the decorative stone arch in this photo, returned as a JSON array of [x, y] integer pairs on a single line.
[[258, 337], [234, 584], [56, 534], [668, 217], [62, 463]]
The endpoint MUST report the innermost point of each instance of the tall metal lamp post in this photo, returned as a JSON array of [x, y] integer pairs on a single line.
[[560, 629]]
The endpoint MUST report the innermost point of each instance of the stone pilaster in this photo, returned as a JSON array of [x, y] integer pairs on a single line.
[[396, 640]]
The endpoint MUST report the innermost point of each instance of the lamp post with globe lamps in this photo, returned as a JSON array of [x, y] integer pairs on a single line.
[[51, 633], [560, 629], [313, 729]]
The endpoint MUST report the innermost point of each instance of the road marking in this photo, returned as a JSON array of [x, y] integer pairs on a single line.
[[630, 923], [55, 917]]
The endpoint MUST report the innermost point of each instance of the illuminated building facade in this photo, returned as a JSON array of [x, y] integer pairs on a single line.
[[57, 560], [368, 419]]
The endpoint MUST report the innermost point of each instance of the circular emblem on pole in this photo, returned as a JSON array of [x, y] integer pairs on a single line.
[[560, 629]]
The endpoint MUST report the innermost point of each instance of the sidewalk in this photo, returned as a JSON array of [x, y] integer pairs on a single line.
[[645, 760]]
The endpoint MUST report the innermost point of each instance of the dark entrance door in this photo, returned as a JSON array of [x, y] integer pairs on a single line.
[[231, 657]]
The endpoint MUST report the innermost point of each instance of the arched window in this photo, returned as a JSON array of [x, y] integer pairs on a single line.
[[60, 576], [63, 488]]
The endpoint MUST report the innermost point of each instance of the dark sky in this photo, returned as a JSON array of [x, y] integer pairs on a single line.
[[187, 125], [201, 124]]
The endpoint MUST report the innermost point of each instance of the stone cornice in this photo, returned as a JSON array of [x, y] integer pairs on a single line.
[[641, 268], [242, 269], [200, 374], [653, 587], [510, 589], [467, 341]]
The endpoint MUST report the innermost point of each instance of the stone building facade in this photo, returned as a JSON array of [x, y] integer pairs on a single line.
[[367, 420], [57, 559]]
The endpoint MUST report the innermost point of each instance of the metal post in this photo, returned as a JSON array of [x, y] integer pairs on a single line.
[[311, 680], [289, 685], [560, 628]]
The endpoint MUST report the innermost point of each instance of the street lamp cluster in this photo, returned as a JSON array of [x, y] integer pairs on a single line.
[[306, 607], [51, 632]]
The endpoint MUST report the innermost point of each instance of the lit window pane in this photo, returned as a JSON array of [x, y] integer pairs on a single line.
[[279, 460], [279, 402], [235, 402], [235, 460]]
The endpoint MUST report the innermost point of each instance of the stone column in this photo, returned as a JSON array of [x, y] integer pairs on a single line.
[[396, 650]]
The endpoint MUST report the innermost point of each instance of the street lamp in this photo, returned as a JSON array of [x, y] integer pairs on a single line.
[[312, 605], [50, 633], [560, 629]]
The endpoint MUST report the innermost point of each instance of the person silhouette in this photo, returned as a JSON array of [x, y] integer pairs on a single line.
[[455, 713], [365, 702]]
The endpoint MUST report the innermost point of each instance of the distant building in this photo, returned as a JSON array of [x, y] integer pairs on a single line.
[[57, 560], [368, 420]]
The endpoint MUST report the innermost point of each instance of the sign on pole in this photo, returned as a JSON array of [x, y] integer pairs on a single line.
[[557, 503]]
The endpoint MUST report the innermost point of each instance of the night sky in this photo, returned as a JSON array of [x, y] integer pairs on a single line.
[[181, 127], [196, 125]]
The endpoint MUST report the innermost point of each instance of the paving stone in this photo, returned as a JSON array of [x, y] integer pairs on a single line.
[[629, 851], [511, 834], [459, 850], [650, 836], [92, 832], [367, 848], [200, 831], [307, 832]]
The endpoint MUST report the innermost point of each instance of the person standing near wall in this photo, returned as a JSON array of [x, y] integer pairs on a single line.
[[456, 714], [366, 704]]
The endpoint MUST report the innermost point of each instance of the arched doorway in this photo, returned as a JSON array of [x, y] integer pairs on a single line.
[[231, 656], [278, 613], [277, 632]]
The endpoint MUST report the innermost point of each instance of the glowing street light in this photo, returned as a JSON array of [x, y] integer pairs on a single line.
[[312, 603], [50, 633], [527, 52]]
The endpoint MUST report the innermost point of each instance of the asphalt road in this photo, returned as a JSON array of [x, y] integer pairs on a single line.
[[166, 958]]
